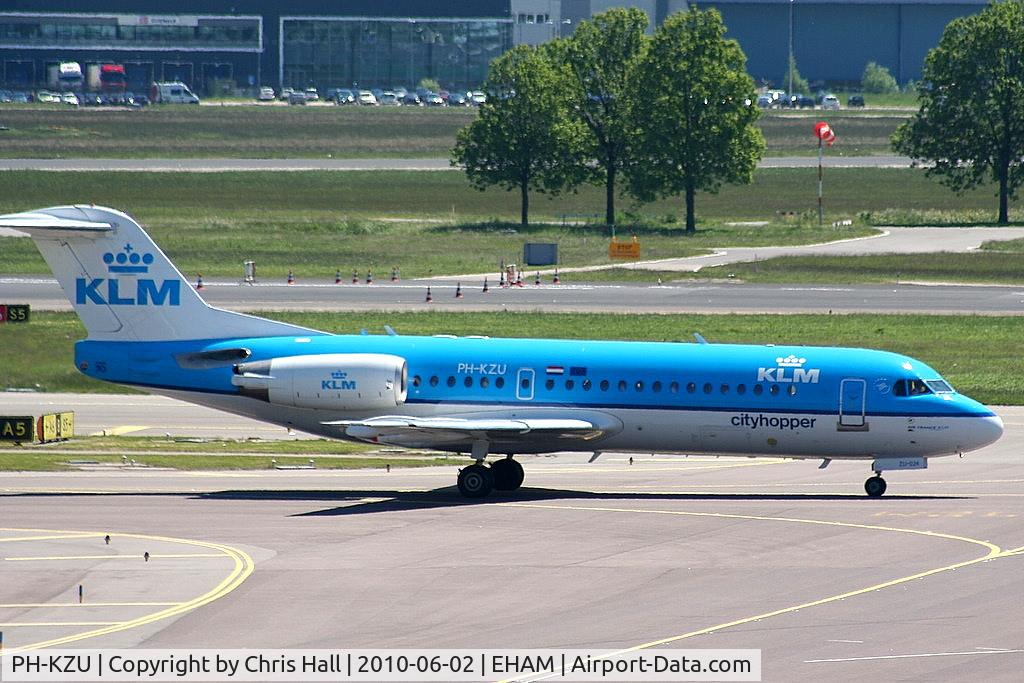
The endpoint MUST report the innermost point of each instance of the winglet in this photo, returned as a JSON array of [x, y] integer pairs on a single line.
[[700, 339]]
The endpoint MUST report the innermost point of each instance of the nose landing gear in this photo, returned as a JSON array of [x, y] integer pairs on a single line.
[[875, 486]]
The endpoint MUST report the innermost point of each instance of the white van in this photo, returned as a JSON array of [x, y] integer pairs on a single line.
[[172, 93]]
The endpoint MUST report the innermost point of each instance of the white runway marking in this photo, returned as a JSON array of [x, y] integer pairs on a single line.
[[913, 656]]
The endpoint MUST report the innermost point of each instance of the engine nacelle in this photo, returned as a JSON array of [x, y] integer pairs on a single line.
[[335, 381]]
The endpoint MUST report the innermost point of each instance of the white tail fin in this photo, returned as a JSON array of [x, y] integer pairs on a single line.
[[120, 283]]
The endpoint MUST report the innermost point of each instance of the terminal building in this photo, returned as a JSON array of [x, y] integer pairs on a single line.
[[387, 43]]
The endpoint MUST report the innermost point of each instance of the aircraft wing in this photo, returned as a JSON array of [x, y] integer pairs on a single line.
[[438, 432]]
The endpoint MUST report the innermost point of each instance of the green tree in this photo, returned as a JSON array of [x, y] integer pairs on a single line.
[[430, 84], [969, 126], [692, 113], [877, 79], [602, 55], [524, 137], [799, 83]]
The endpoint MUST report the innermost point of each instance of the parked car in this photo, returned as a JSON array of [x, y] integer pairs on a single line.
[[412, 99], [266, 94], [366, 98], [344, 96], [388, 99], [830, 102], [48, 97], [70, 98], [432, 99], [400, 91], [801, 101], [458, 99], [855, 101], [296, 97], [312, 95], [20, 97], [285, 92], [477, 97]]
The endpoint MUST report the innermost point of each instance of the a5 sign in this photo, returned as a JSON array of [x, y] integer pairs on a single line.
[[14, 313]]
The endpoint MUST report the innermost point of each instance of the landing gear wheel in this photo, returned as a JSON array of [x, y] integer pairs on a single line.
[[476, 481], [508, 474], [875, 487]]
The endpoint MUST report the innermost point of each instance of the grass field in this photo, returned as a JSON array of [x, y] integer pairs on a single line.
[[145, 452], [975, 267], [979, 355], [264, 132], [316, 222]]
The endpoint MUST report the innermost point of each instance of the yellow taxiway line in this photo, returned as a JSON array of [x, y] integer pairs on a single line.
[[242, 568]]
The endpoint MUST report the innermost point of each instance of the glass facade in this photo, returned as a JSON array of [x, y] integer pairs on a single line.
[[130, 32], [370, 53]]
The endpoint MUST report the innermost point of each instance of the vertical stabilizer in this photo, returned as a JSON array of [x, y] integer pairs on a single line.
[[122, 286]]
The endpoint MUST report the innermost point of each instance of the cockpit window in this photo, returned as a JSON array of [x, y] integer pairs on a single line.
[[939, 386], [911, 387]]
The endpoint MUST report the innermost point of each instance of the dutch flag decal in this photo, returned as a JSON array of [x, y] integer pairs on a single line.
[[555, 370]]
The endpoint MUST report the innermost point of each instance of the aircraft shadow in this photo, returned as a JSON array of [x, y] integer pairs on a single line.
[[371, 502]]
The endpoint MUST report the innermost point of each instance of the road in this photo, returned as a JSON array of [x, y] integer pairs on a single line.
[[332, 164], [922, 584]]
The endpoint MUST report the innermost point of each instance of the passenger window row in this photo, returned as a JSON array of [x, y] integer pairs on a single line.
[[622, 385]]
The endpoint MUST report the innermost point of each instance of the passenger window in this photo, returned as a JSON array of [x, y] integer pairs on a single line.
[[604, 385], [639, 386], [484, 382], [451, 381], [791, 390], [468, 381], [708, 388], [525, 383], [433, 381], [622, 385], [674, 387], [691, 387], [549, 384], [725, 388], [774, 390], [415, 380], [569, 384], [758, 389], [656, 387], [586, 385], [499, 382], [741, 389]]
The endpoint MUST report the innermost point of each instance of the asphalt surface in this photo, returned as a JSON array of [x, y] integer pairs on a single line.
[[683, 298], [332, 164], [922, 584]]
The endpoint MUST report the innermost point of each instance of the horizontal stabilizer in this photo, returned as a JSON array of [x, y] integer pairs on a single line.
[[44, 225]]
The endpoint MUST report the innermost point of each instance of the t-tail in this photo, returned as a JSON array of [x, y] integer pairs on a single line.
[[120, 283]]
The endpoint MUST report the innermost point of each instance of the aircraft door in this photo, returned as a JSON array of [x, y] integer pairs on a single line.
[[852, 399], [524, 384]]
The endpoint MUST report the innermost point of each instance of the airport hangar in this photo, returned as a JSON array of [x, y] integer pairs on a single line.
[[363, 43]]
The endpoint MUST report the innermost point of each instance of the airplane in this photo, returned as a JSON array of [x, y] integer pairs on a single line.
[[149, 329]]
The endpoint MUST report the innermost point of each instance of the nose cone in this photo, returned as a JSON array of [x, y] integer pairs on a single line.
[[983, 431]]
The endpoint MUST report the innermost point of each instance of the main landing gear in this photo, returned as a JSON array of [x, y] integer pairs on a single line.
[[875, 486], [479, 479]]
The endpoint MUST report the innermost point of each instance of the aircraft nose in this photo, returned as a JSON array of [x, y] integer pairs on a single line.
[[985, 430]]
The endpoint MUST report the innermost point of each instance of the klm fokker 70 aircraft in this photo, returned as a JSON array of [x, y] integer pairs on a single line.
[[149, 329]]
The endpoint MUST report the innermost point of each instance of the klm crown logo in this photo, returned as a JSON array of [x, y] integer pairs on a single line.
[[338, 374], [128, 261], [139, 291], [790, 361]]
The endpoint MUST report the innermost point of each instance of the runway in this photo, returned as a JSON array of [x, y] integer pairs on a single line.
[[922, 584], [384, 164], [696, 297]]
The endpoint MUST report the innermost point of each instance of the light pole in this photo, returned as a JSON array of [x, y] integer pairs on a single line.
[[789, 64]]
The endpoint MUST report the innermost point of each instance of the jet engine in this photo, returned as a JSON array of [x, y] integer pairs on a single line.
[[334, 381]]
